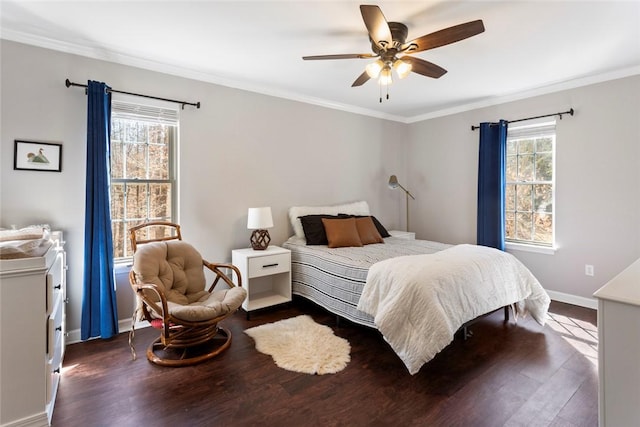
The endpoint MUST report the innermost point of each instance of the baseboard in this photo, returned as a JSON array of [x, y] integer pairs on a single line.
[[574, 299], [124, 325], [36, 420]]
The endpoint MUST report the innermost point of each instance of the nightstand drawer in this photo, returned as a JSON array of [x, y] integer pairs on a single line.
[[269, 264]]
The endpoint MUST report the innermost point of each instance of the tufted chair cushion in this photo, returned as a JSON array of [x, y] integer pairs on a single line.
[[176, 268], [218, 303]]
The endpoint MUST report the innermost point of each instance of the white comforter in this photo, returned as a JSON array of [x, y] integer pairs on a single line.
[[419, 301]]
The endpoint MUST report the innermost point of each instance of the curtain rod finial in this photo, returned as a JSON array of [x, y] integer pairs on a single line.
[[67, 83]]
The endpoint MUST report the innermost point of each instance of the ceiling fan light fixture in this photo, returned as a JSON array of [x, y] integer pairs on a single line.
[[389, 46], [373, 69], [402, 68], [385, 76]]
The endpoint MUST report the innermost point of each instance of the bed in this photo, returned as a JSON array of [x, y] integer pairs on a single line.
[[417, 293]]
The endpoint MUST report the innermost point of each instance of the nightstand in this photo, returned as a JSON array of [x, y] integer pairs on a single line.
[[266, 276], [403, 234]]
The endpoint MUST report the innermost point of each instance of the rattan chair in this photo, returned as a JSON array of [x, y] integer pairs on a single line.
[[169, 280]]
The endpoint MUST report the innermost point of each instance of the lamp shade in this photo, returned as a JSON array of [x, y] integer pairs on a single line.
[[385, 78], [402, 68], [259, 218], [393, 182], [373, 69]]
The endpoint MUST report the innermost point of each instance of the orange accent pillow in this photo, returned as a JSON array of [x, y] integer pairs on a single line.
[[341, 232], [367, 231]]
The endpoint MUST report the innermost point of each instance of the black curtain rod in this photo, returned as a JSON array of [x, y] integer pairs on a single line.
[[570, 112], [183, 103]]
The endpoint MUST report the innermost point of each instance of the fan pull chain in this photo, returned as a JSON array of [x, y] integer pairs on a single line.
[[380, 89]]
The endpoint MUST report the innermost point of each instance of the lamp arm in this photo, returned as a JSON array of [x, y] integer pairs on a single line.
[[406, 191]]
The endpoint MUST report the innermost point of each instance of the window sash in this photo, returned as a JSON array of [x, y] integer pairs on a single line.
[[531, 225], [126, 182]]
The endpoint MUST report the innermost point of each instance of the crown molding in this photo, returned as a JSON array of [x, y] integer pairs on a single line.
[[104, 54], [556, 87]]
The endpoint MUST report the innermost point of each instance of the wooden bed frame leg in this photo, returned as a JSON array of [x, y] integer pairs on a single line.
[[506, 313]]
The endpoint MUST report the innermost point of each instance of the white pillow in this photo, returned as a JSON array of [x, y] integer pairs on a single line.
[[354, 208]]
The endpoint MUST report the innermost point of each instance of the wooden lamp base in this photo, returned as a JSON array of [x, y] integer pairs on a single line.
[[260, 240]]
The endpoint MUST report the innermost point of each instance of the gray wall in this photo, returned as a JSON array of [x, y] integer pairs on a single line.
[[244, 150], [239, 150], [597, 182]]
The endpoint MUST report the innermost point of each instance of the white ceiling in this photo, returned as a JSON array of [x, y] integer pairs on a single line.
[[528, 47]]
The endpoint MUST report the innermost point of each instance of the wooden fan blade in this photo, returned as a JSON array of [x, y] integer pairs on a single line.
[[341, 56], [445, 37], [362, 79], [423, 67], [377, 25]]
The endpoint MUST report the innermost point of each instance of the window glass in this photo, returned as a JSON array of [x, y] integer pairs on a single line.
[[143, 143], [529, 196]]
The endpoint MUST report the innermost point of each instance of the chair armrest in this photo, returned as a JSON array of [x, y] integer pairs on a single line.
[[162, 310], [216, 268]]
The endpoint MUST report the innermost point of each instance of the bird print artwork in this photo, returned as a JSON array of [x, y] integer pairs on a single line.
[[37, 158]]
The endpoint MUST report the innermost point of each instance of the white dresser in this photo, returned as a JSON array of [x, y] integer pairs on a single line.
[[619, 349], [32, 335]]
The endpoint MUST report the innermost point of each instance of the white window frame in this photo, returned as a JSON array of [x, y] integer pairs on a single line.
[[133, 108], [536, 129]]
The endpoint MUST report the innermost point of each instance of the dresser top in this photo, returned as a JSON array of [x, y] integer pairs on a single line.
[[625, 287], [46, 248]]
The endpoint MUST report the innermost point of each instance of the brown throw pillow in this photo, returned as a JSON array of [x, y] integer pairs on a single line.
[[314, 229], [367, 231], [341, 232], [383, 231]]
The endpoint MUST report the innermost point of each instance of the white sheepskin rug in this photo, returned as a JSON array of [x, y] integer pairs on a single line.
[[301, 345]]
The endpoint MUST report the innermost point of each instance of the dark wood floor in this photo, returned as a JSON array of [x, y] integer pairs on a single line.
[[506, 374]]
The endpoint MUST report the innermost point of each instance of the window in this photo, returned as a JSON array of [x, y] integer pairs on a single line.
[[529, 204], [143, 146]]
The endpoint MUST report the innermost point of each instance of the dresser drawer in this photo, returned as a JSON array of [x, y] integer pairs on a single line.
[[55, 280], [55, 329], [52, 368], [269, 264]]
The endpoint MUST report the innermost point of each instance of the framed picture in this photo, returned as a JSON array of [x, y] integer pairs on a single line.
[[37, 156]]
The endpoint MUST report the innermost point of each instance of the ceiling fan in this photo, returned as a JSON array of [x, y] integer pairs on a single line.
[[388, 42]]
